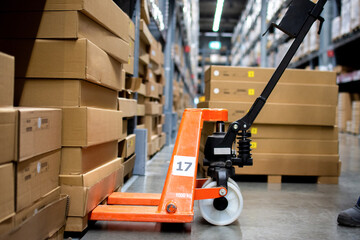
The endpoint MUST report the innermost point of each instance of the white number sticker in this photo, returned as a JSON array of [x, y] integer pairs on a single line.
[[184, 166]]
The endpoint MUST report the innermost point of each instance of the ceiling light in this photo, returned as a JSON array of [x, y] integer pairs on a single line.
[[217, 17]]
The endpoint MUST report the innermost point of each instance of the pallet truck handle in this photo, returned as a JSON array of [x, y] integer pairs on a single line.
[[245, 123]]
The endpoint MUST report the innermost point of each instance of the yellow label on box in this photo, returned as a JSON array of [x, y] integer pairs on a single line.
[[253, 130], [253, 145], [251, 74], [251, 91]]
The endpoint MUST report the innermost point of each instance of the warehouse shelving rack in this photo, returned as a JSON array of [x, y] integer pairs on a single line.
[[165, 32]]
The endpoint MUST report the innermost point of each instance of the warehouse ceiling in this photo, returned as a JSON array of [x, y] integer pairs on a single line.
[[230, 15]]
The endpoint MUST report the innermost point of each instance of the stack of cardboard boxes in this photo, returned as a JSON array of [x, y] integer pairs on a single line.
[[295, 133], [344, 110], [150, 98], [348, 21], [348, 112], [181, 99], [355, 117], [30, 140], [75, 57]]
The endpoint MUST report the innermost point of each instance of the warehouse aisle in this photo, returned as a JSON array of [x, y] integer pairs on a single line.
[[271, 211]]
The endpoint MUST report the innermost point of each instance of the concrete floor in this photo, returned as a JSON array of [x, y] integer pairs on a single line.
[[271, 211]]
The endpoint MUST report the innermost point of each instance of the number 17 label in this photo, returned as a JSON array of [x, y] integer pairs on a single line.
[[184, 166]]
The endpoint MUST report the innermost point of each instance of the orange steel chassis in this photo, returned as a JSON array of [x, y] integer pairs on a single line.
[[176, 202]]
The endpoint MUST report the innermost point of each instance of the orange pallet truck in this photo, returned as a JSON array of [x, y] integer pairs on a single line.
[[220, 200]]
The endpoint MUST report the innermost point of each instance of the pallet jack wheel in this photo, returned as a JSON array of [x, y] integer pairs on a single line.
[[225, 210]]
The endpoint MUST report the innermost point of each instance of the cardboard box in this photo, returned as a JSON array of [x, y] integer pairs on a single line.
[[145, 34], [36, 177], [140, 111], [162, 119], [152, 90], [293, 164], [155, 143], [87, 190], [7, 72], [127, 106], [39, 131], [131, 30], [272, 131], [129, 67], [63, 25], [133, 84], [129, 165], [7, 189], [6, 226], [151, 126], [27, 132], [145, 14], [65, 93], [28, 212], [77, 160], [85, 126], [124, 129], [162, 139], [152, 108], [127, 146], [276, 113], [78, 59], [44, 223], [76, 224], [98, 11], [294, 146], [159, 129], [254, 74], [283, 92], [8, 130]]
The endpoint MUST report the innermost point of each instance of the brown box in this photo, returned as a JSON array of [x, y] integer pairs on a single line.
[[85, 126], [274, 113], [155, 143], [72, 59], [159, 129], [7, 72], [28, 212], [87, 190], [283, 92], [63, 25], [293, 164], [98, 11], [151, 126], [27, 132], [272, 131], [133, 84], [152, 108], [129, 67], [39, 131], [162, 139], [8, 130], [152, 90], [145, 14], [7, 189], [43, 223], [254, 74], [162, 119], [129, 165], [295, 146], [150, 76], [36, 177], [65, 93], [127, 146], [127, 106], [145, 34], [131, 30], [77, 160], [76, 224], [140, 111], [6, 225]]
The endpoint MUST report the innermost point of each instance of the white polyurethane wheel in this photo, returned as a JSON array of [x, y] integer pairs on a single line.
[[227, 216], [229, 180]]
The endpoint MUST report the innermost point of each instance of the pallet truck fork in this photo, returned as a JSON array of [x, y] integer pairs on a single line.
[[220, 200]]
